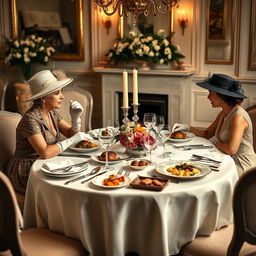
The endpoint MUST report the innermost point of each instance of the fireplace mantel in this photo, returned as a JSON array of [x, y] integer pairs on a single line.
[[175, 84]]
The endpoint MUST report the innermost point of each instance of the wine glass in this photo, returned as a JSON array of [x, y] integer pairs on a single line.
[[149, 120], [114, 127], [159, 123], [164, 135], [106, 142], [150, 142]]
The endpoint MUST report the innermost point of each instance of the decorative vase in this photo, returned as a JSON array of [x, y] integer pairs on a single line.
[[144, 65], [135, 152], [27, 70]]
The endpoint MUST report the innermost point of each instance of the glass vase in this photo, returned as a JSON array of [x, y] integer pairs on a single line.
[[135, 152]]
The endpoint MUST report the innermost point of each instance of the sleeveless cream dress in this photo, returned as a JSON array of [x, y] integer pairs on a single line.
[[245, 157]]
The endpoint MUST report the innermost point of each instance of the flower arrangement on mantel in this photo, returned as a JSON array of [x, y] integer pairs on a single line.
[[132, 137], [151, 48], [26, 51]]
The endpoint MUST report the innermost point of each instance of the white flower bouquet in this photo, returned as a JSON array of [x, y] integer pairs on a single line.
[[152, 48], [26, 51]]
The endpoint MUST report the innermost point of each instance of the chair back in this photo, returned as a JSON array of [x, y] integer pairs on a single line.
[[9, 219], [85, 99], [8, 124], [3, 87], [252, 113], [244, 209]]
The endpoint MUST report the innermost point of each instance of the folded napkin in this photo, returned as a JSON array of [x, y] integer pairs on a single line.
[[57, 164]]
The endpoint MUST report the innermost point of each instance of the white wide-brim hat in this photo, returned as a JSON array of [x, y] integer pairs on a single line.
[[44, 83]]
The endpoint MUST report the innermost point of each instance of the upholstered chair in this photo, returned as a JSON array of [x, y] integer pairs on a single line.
[[85, 99], [8, 124], [3, 87], [29, 242], [232, 240], [252, 113]]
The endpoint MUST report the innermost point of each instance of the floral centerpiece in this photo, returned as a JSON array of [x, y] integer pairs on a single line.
[[26, 51], [152, 48], [132, 137]]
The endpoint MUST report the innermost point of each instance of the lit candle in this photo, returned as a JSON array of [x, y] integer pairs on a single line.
[[125, 89], [135, 86]]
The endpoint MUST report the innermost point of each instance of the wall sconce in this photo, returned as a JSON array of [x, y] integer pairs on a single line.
[[105, 20], [183, 19]]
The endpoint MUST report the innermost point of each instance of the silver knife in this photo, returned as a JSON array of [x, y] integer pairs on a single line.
[[98, 174], [96, 169], [69, 166]]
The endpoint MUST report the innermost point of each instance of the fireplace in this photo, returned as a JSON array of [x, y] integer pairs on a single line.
[[154, 103]]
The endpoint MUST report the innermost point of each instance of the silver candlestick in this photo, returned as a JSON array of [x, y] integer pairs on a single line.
[[135, 117], [125, 114]]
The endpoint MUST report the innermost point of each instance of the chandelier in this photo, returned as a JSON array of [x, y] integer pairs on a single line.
[[136, 7]]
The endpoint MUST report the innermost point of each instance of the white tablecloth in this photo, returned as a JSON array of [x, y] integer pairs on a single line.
[[114, 221]]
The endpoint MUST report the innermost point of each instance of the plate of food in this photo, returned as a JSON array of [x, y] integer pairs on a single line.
[[138, 164], [113, 158], [111, 180], [150, 183], [105, 133], [181, 136], [86, 146], [183, 169]]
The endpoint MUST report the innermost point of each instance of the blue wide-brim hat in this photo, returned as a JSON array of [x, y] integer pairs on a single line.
[[223, 84]]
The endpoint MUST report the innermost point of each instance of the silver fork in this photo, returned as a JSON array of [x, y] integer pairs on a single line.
[[126, 173]]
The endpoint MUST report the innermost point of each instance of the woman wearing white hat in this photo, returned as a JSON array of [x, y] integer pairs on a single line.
[[38, 132], [231, 131]]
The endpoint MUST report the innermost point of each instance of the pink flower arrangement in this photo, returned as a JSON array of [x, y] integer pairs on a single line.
[[133, 137]]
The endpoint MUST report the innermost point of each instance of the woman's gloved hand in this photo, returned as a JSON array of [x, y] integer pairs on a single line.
[[75, 110], [63, 145], [180, 127]]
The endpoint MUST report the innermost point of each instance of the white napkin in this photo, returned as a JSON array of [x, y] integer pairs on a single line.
[[57, 164]]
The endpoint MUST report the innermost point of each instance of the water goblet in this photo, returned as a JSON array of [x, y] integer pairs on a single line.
[[164, 135], [159, 123], [149, 120], [106, 142], [150, 142]]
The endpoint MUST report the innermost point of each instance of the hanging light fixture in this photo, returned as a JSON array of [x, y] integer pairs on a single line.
[[136, 7]]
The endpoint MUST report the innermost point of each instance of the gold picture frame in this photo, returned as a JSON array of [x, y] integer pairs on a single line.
[[73, 49], [220, 30], [252, 38]]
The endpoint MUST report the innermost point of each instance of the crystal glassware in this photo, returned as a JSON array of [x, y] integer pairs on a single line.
[[164, 135], [150, 142], [149, 120]]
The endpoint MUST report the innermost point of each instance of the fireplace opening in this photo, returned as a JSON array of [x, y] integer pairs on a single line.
[[155, 103]]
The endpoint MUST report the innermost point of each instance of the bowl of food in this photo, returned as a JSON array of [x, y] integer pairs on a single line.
[[139, 164]]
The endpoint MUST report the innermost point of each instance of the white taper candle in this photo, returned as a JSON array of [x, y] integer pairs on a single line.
[[135, 86], [125, 89]]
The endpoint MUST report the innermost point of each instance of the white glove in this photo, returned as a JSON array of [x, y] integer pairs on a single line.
[[180, 127], [63, 145], [75, 110]]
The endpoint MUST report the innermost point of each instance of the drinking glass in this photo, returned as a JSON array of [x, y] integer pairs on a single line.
[[106, 142], [149, 120], [159, 123], [164, 135], [150, 141]]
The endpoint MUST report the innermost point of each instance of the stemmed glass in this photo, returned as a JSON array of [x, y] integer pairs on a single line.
[[106, 142], [159, 123], [164, 135], [149, 120], [150, 141]]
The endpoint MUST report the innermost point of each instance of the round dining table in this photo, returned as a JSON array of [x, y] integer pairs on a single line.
[[114, 221]]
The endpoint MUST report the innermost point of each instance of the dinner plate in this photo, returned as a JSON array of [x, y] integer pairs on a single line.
[[86, 149], [95, 158], [72, 172], [189, 136], [162, 169], [98, 181]]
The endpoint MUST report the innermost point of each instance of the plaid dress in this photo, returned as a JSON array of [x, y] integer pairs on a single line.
[[31, 123]]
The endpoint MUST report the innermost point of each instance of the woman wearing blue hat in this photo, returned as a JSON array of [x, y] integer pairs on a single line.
[[231, 131]]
